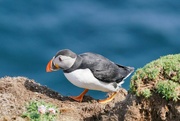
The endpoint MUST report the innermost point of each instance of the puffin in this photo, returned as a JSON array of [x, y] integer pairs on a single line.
[[90, 71]]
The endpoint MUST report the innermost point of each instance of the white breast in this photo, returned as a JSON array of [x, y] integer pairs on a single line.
[[84, 78]]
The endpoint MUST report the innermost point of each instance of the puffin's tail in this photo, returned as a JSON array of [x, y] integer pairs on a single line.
[[127, 68], [126, 72]]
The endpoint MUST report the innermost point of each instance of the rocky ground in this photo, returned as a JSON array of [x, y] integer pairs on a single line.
[[16, 92]]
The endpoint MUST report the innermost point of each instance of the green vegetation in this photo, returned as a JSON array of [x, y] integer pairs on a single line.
[[168, 89], [161, 76], [146, 93], [40, 111]]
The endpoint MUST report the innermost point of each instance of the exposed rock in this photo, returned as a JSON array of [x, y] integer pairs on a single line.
[[16, 92]]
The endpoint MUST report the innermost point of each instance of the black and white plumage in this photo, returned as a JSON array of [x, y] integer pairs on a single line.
[[90, 71]]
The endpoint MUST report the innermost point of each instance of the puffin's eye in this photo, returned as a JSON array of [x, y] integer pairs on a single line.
[[60, 59]]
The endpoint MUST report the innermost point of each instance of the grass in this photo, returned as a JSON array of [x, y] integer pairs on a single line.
[[40, 111], [146, 93], [168, 88], [161, 76]]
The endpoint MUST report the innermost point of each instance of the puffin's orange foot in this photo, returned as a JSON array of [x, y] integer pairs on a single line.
[[77, 98], [80, 97], [110, 98]]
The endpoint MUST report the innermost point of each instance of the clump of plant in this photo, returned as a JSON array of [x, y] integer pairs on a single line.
[[160, 76], [168, 89], [146, 93], [41, 111]]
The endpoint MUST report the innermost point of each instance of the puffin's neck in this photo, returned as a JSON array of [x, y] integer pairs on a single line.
[[76, 64]]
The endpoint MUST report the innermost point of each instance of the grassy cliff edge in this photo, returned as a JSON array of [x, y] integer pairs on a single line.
[[154, 95]]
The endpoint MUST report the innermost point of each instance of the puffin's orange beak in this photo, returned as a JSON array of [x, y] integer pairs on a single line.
[[49, 66]]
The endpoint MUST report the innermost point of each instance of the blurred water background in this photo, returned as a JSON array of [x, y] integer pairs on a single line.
[[127, 32]]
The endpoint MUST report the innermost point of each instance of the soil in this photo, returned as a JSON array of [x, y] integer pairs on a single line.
[[16, 92]]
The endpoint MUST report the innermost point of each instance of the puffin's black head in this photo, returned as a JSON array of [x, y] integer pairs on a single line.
[[64, 59]]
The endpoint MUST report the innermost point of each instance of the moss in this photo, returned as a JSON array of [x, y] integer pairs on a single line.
[[146, 93], [168, 89], [150, 77]]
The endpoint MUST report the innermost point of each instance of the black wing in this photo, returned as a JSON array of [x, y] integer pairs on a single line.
[[104, 69]]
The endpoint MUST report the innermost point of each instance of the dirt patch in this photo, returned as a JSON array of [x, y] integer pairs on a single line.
[[152, 109], [16, 92]]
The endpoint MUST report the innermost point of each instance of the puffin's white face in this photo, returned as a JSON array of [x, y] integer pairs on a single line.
[[62, 61]]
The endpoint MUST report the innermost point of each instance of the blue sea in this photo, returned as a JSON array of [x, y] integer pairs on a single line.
[[131, 33]]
